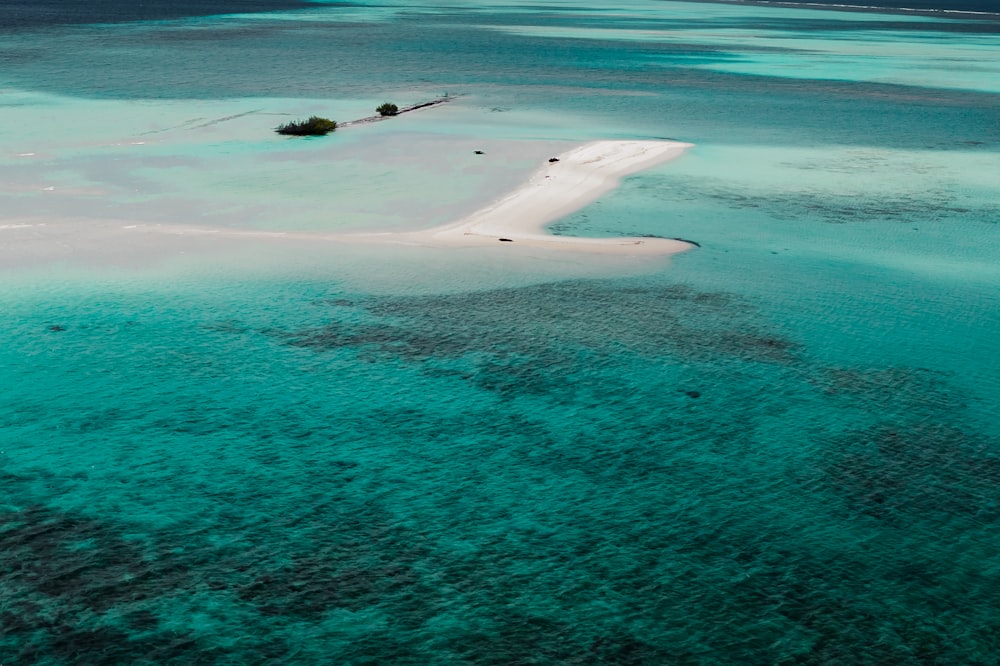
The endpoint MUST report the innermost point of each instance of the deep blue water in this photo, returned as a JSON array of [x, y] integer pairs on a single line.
[[984, 6], [20, 14], [23, 14]]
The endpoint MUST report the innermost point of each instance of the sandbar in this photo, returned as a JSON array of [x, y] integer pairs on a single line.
[[567, 184], [561, 186]]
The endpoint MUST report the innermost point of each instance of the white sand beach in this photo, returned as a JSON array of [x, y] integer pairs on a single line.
[[574, 179], [578, 177], [559, 187]]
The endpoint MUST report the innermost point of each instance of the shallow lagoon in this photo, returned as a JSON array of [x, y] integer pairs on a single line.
[[780, 447]]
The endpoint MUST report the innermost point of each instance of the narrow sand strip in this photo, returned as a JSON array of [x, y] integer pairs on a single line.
[[579, 177], [563, 186]]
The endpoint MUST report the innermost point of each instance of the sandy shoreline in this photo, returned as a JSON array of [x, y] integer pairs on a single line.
[[578, 177]]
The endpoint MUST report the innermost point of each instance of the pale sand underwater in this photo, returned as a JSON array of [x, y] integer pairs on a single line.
[[577, 178], [565, 184]]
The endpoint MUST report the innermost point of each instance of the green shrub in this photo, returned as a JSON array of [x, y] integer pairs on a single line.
[[388, 109], [315, 126]]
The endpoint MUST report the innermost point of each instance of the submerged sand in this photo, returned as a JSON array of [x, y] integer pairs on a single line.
[[578, 177], [561, 186]]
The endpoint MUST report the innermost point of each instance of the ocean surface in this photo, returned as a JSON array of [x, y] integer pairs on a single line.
[[931, 7], [781, 447]]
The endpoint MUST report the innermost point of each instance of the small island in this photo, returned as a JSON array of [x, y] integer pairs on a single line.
[[387, 109], [315, 126]]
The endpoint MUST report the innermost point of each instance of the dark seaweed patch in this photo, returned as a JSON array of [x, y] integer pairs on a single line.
[[142, 620], [76, 590], [72, 559], [314, 585], [920, 471], [511, 377], [893, 389], [533, 336]]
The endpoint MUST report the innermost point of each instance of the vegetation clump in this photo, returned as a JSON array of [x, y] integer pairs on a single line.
[[388, 109], [315, 126]]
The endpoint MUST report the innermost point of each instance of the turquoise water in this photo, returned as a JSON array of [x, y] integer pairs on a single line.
[[781, 447]]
